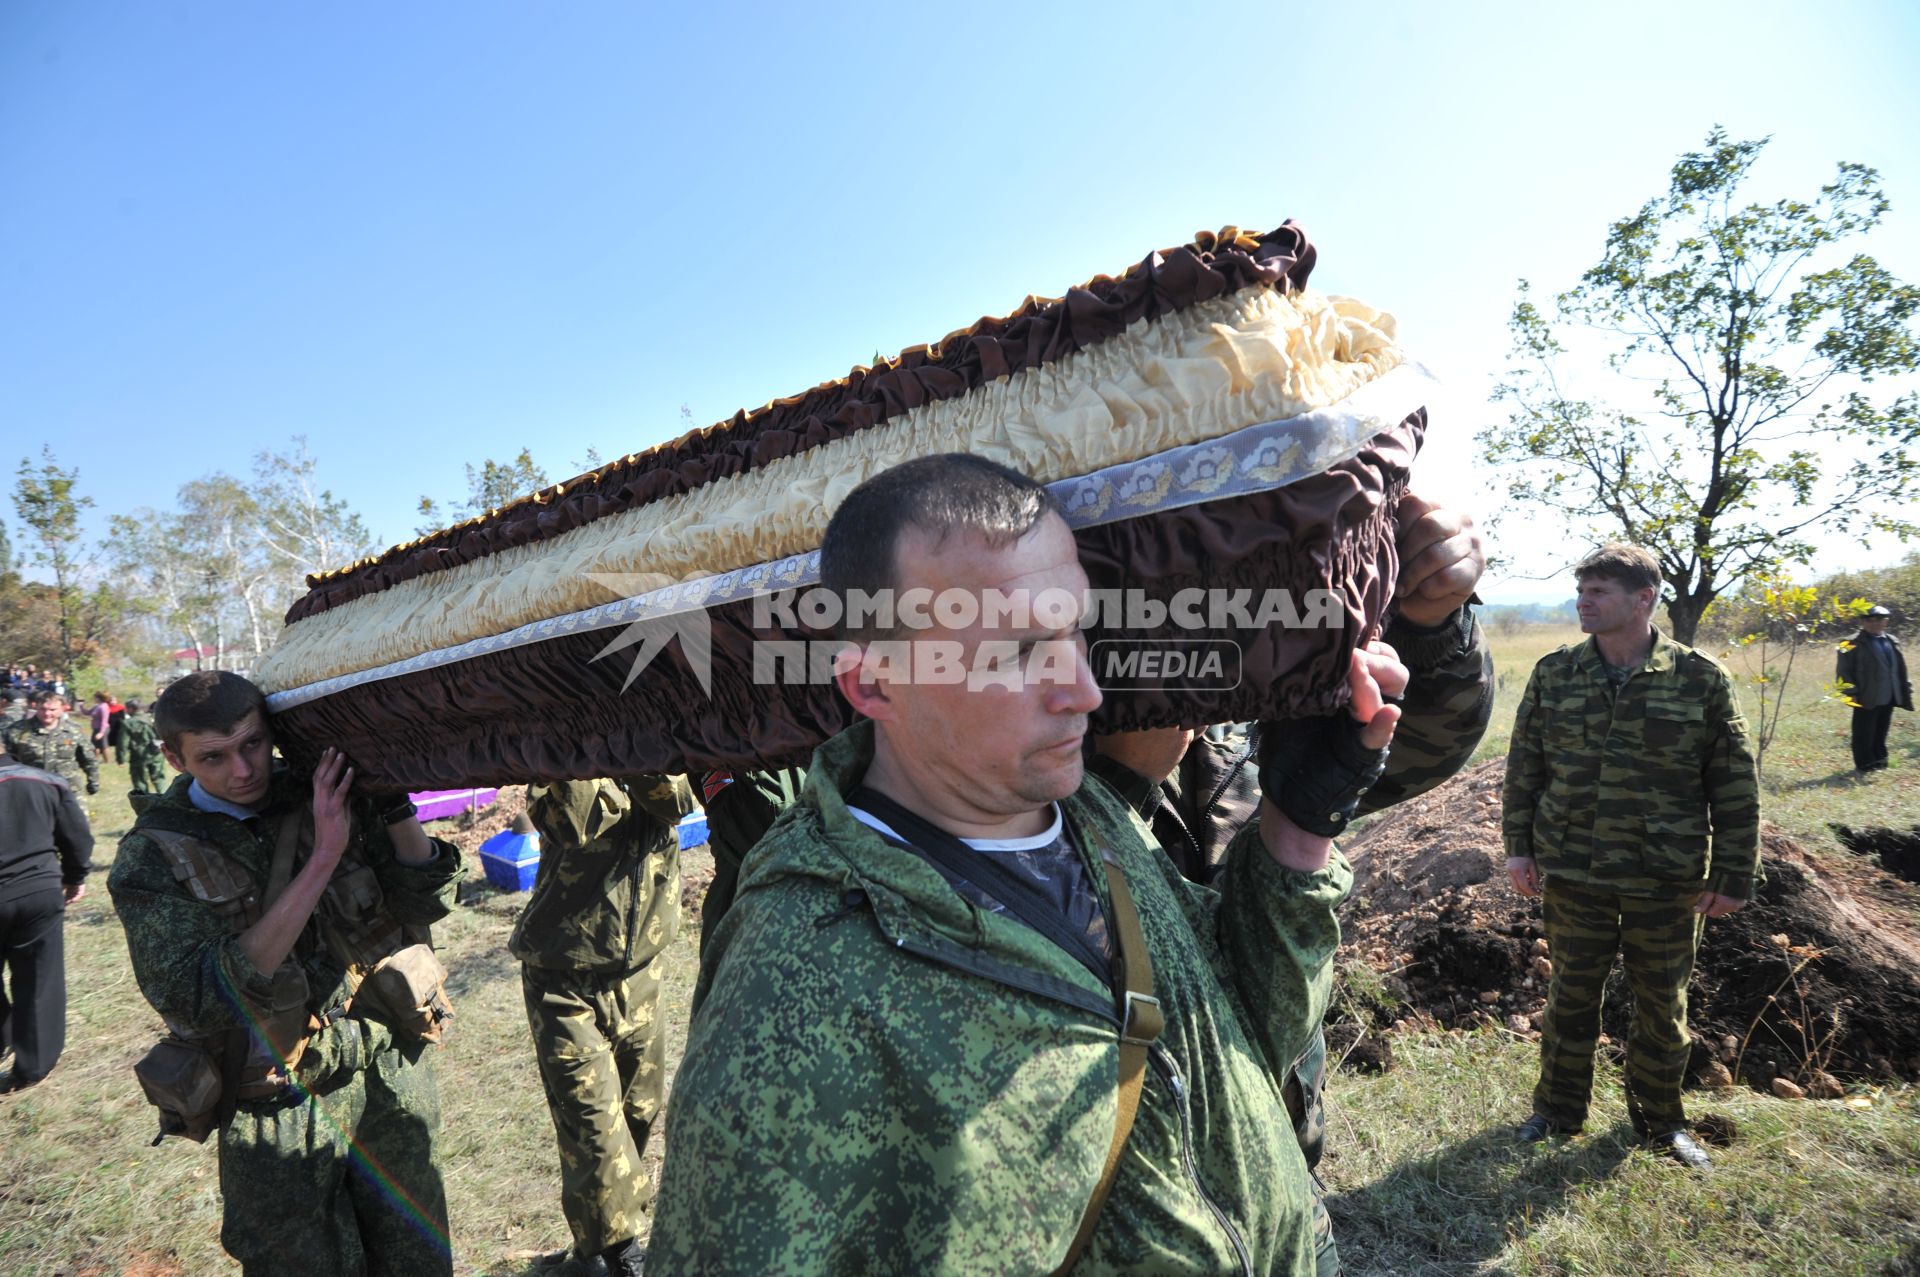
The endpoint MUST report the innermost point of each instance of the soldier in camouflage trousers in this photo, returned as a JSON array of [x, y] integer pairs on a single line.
[[51, 741], [1632, 806], [606, 903], [146, 770]]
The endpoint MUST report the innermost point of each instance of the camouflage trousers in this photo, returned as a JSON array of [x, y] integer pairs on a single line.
[[1305, 1094], [1656, 938], [145, 772], [340, 1183], [602, 1062]]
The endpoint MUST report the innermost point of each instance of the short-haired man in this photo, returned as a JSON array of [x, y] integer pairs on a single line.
[[48, 739], [261, 910], [1632, 807], [923, 1031], [45, 855], [1875, 670]]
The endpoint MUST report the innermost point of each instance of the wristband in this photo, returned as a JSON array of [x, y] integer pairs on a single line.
[[402, 810], [1316, 770]]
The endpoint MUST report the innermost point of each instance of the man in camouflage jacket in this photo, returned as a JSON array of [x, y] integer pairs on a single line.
[[334, 1172], [1632, 806], [146, 770], [892, 1073], [48, 739], [606, 903]]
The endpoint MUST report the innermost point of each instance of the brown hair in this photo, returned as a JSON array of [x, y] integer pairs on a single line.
[[204, 701], [936, 494], [1629, 565]]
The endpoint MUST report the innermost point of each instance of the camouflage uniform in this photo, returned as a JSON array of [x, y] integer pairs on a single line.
[[65, 749], [146, 766], [885, 1077], [1632, 802], [1216, 789], [606, 903], [335, 1175]]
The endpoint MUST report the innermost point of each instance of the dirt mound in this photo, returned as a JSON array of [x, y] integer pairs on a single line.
[[1822, 971], [467, 831]]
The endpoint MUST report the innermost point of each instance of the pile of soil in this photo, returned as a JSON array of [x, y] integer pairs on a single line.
[[1820, 972], [467, 831]]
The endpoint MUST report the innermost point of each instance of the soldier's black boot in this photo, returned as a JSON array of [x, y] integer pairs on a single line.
[[625, 1259]]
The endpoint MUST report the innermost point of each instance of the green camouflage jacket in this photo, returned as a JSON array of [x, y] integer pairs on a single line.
[[1643, 793], [884, 1078], [186, 958], [65, 749], [1196, 811], [138, 738], [608, 895]]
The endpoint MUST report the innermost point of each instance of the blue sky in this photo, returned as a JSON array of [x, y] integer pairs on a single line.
[[430, 233]]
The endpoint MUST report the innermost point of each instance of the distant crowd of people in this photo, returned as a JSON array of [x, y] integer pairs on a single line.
[[990, 994]]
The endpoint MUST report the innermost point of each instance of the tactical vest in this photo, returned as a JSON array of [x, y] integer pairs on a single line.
[[196, 1081]]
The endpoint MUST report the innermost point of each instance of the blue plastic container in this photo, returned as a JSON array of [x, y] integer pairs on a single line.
[[693, 829], [511, 861]]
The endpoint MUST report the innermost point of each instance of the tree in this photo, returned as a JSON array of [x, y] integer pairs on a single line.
[[491, 486], [44, 498], [1751, 344], [305, 527]]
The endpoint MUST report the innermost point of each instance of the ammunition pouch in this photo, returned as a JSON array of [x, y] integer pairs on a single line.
[[182, 1077], [407, 991], [195, 1082]]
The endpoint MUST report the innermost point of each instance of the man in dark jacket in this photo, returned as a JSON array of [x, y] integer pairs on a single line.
[[1872, 663], [606, 903], [45, 855]]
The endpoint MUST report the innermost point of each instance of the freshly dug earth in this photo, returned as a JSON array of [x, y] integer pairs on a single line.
[[1820, 972]]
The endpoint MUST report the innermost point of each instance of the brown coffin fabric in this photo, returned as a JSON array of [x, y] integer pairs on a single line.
[[552, 712], [1039, 332]]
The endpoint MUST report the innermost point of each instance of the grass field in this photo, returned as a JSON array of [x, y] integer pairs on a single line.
[[1422, 1176]]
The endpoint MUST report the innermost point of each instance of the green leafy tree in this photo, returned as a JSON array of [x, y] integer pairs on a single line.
[[49, 508], [1739, 341], [489, 486]]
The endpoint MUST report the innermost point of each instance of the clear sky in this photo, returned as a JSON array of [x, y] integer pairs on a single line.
[[423, 234]]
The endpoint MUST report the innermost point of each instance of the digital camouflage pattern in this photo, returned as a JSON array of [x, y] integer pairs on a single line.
[[357, 1151], [608, 894], [602, 1060], [146, 766], [1658, 936], [885, 1078], [1195, 812], [65, 749], [1641, 792], [606, 902], [191, 969]]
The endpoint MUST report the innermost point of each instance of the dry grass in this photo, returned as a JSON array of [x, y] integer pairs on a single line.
[[1425, 1182]]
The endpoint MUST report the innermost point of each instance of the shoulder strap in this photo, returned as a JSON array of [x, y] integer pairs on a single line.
[[1141, 1022], [984, 871], [1141, 1019]]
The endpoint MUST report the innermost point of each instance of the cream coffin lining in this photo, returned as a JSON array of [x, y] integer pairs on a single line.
[[1252, 356]]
